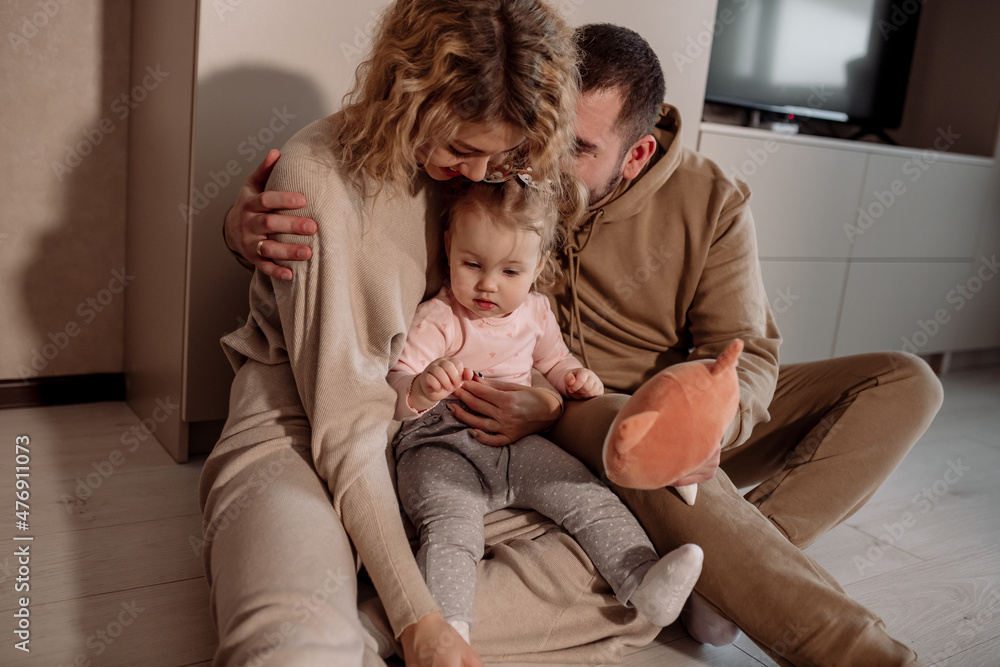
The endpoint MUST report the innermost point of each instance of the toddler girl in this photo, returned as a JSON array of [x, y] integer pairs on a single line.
[[489, 322]]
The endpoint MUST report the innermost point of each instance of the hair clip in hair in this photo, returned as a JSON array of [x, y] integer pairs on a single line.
[[505, 172]]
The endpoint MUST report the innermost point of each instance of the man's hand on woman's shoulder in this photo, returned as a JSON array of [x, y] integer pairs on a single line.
[[252, 218]]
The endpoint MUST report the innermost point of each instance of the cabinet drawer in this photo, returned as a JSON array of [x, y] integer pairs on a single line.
[[911, 306], [804, 297], [802, 195], [920, 206]]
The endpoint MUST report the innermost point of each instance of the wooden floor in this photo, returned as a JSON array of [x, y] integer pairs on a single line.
[[115, 580]]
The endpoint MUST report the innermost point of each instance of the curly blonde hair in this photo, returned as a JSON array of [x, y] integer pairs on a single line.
[[437, 64], [517, 207]]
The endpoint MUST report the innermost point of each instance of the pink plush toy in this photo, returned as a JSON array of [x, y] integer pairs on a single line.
[[673, 423]]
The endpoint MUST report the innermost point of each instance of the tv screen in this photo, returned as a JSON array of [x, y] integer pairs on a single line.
[[842, 60]]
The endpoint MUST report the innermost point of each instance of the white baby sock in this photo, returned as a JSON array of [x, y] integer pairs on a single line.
[[462, 628], [661, 595], [705, 625]]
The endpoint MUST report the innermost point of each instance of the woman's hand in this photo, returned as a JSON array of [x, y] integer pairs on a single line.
[[511, 411], [250, 220], [432, 642]]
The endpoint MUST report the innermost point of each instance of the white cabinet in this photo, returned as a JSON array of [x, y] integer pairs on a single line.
[[880, 247], [801, 195], [805, 300], [924, 204], [906, 306]]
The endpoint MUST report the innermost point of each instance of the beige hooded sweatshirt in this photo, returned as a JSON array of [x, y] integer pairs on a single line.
[[667, 271]]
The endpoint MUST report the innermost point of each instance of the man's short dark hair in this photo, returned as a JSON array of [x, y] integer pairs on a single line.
[[613, 58]]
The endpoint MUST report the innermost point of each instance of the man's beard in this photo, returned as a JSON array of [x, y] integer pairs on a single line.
[[608, 188]]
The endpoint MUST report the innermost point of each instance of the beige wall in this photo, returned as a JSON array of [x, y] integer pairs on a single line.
[[63, 223]]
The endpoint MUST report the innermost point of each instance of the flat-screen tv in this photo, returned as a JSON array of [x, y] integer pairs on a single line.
[[842, 60]]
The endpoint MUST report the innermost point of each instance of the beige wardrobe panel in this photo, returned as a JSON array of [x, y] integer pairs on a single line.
[[264, 71], [159, 175], [63, 69]]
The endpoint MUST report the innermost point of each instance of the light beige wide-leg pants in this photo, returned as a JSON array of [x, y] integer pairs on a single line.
[[283, 574]]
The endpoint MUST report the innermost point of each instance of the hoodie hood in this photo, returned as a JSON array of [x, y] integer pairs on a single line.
[[667, 271], [628, 199]]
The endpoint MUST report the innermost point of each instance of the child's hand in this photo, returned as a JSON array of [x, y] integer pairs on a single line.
[[441, 377], [583, 383]]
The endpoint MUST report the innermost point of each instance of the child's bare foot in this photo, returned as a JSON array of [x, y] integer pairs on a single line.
[[661, 595]]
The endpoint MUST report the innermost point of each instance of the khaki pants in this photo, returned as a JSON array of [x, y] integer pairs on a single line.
[[838, 428]]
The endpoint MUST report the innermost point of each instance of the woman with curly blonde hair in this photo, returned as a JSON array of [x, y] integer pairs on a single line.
[[470, 63], [298, 486]]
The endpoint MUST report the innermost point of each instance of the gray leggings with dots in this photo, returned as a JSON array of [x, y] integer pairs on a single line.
[[448, 481]]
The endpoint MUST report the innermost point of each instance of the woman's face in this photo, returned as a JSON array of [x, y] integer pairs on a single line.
[[474, 147]]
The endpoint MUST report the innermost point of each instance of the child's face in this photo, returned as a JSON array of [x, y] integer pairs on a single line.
[[492, 266]]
